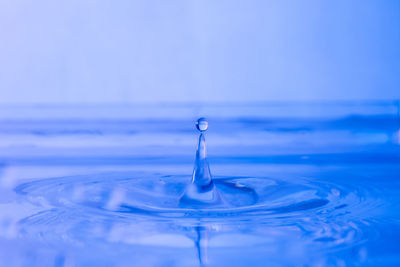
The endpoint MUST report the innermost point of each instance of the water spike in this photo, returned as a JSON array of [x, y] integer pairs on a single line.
[[201, 191], [201, 172]]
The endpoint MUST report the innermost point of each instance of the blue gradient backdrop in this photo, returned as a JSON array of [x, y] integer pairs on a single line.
[[211, 50]]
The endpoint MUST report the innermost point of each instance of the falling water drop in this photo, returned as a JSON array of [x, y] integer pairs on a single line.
[[201, 190], [202, 124]]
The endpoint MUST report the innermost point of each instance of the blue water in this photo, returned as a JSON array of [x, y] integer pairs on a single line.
[[284, 184]]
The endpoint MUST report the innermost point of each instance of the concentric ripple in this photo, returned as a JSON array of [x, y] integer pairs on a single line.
[[262, 208], [155, 195]]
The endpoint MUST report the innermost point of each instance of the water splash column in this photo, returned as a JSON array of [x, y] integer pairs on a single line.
[[201, 172], [201, 190]]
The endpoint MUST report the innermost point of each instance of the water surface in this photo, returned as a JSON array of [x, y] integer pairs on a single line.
[[300, 185]]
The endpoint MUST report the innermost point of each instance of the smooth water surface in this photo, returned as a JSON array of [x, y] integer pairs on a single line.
[[292, 185]]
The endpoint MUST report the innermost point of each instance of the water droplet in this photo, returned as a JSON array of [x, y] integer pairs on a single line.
[[202, 189], [202, 124]]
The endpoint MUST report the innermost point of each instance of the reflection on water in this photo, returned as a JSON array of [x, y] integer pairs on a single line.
[[293, 189]]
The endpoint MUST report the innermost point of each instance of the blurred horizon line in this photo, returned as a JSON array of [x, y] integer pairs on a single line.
[[394, 101]]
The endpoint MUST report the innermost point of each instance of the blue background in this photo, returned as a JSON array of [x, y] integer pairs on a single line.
[[186, 51], [320, 165]]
